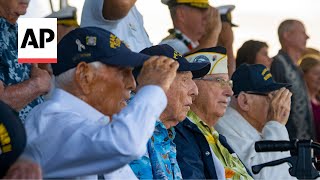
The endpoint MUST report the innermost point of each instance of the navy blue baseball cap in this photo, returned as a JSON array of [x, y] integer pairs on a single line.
[[254, 78], [92, 44], [13, 139], [198, 69]]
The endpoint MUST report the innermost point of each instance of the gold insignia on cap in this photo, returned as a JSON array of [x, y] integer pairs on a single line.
[[5, 141], [114, 41], [266, 74], [176, 54], [91, 41]]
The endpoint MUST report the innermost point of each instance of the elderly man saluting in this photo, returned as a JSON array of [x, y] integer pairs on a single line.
[[160, 162], [259, 110], [87, 128]]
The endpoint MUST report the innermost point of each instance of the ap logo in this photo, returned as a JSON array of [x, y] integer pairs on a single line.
[[37, 40]]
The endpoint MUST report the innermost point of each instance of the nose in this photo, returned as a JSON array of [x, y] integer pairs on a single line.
[[130, 82], [228, 91], [193, 92]]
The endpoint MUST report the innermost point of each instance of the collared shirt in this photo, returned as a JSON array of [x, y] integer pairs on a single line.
[[69, 138], [12, 72], [160, 161], [242, 136], [129, 29], [234, 169], [180, 45]]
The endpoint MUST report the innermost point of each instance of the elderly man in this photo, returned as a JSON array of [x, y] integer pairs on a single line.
[[89, 127], [160, 162], [259, 110], [21, 85], [284, 68], [201, 152], [196, 25]]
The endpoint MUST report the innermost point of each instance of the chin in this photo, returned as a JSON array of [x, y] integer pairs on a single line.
[[181, 118]]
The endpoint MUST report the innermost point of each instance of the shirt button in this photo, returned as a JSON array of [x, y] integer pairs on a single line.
[[207, 153]]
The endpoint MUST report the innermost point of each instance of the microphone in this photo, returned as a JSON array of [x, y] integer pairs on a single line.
[[272, 146]]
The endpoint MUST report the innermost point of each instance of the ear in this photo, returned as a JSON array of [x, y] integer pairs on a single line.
[[84, 77], [243, 102]]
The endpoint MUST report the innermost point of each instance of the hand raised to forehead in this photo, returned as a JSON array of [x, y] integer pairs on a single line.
[[158, 70], [213, 28], [280, 106]]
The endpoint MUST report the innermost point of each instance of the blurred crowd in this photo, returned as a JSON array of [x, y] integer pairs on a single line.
[[115, 106]]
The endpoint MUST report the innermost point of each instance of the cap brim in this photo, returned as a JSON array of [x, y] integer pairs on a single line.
[[198, 69], [276, 86], [129, 59]]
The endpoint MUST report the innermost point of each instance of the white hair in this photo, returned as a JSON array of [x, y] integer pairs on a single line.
[[66, 78]]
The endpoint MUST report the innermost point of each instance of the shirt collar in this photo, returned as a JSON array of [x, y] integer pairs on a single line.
[[77, 105], [8, 24], [161, 128], [196, 119], [232, 117], [193, 44]]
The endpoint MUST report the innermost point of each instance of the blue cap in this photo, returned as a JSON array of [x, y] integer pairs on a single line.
[[13, 139], [198, 69], [254, 78], [91, 44]]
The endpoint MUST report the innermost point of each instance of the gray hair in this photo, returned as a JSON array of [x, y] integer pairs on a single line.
[[66, 78], [286, 26]]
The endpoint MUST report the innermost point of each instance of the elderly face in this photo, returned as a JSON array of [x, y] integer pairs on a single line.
[[180, 95], [257, 107], [214, 91], [111, 88], [13, 8]]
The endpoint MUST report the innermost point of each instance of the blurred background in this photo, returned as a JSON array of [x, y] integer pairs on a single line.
[[257, 19]]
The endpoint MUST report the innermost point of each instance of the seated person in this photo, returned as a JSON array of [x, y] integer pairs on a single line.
[[202, 153], [86, 127], [259, 110], [160, 162]]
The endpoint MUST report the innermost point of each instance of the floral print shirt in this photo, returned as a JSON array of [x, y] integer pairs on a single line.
[[160, 161], [12, 72]]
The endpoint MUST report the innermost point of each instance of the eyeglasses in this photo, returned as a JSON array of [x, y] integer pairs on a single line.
[[222, 82]]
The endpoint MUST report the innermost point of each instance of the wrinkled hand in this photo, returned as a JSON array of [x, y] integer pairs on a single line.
[[41, 79], [213, 28], [24, 169], [158, 70], [47, 67], [280, 106]]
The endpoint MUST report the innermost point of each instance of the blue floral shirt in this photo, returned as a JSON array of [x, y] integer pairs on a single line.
[[160, 161], [12, 72]]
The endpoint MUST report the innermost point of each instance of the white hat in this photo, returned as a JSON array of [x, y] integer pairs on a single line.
[[217, 56]]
